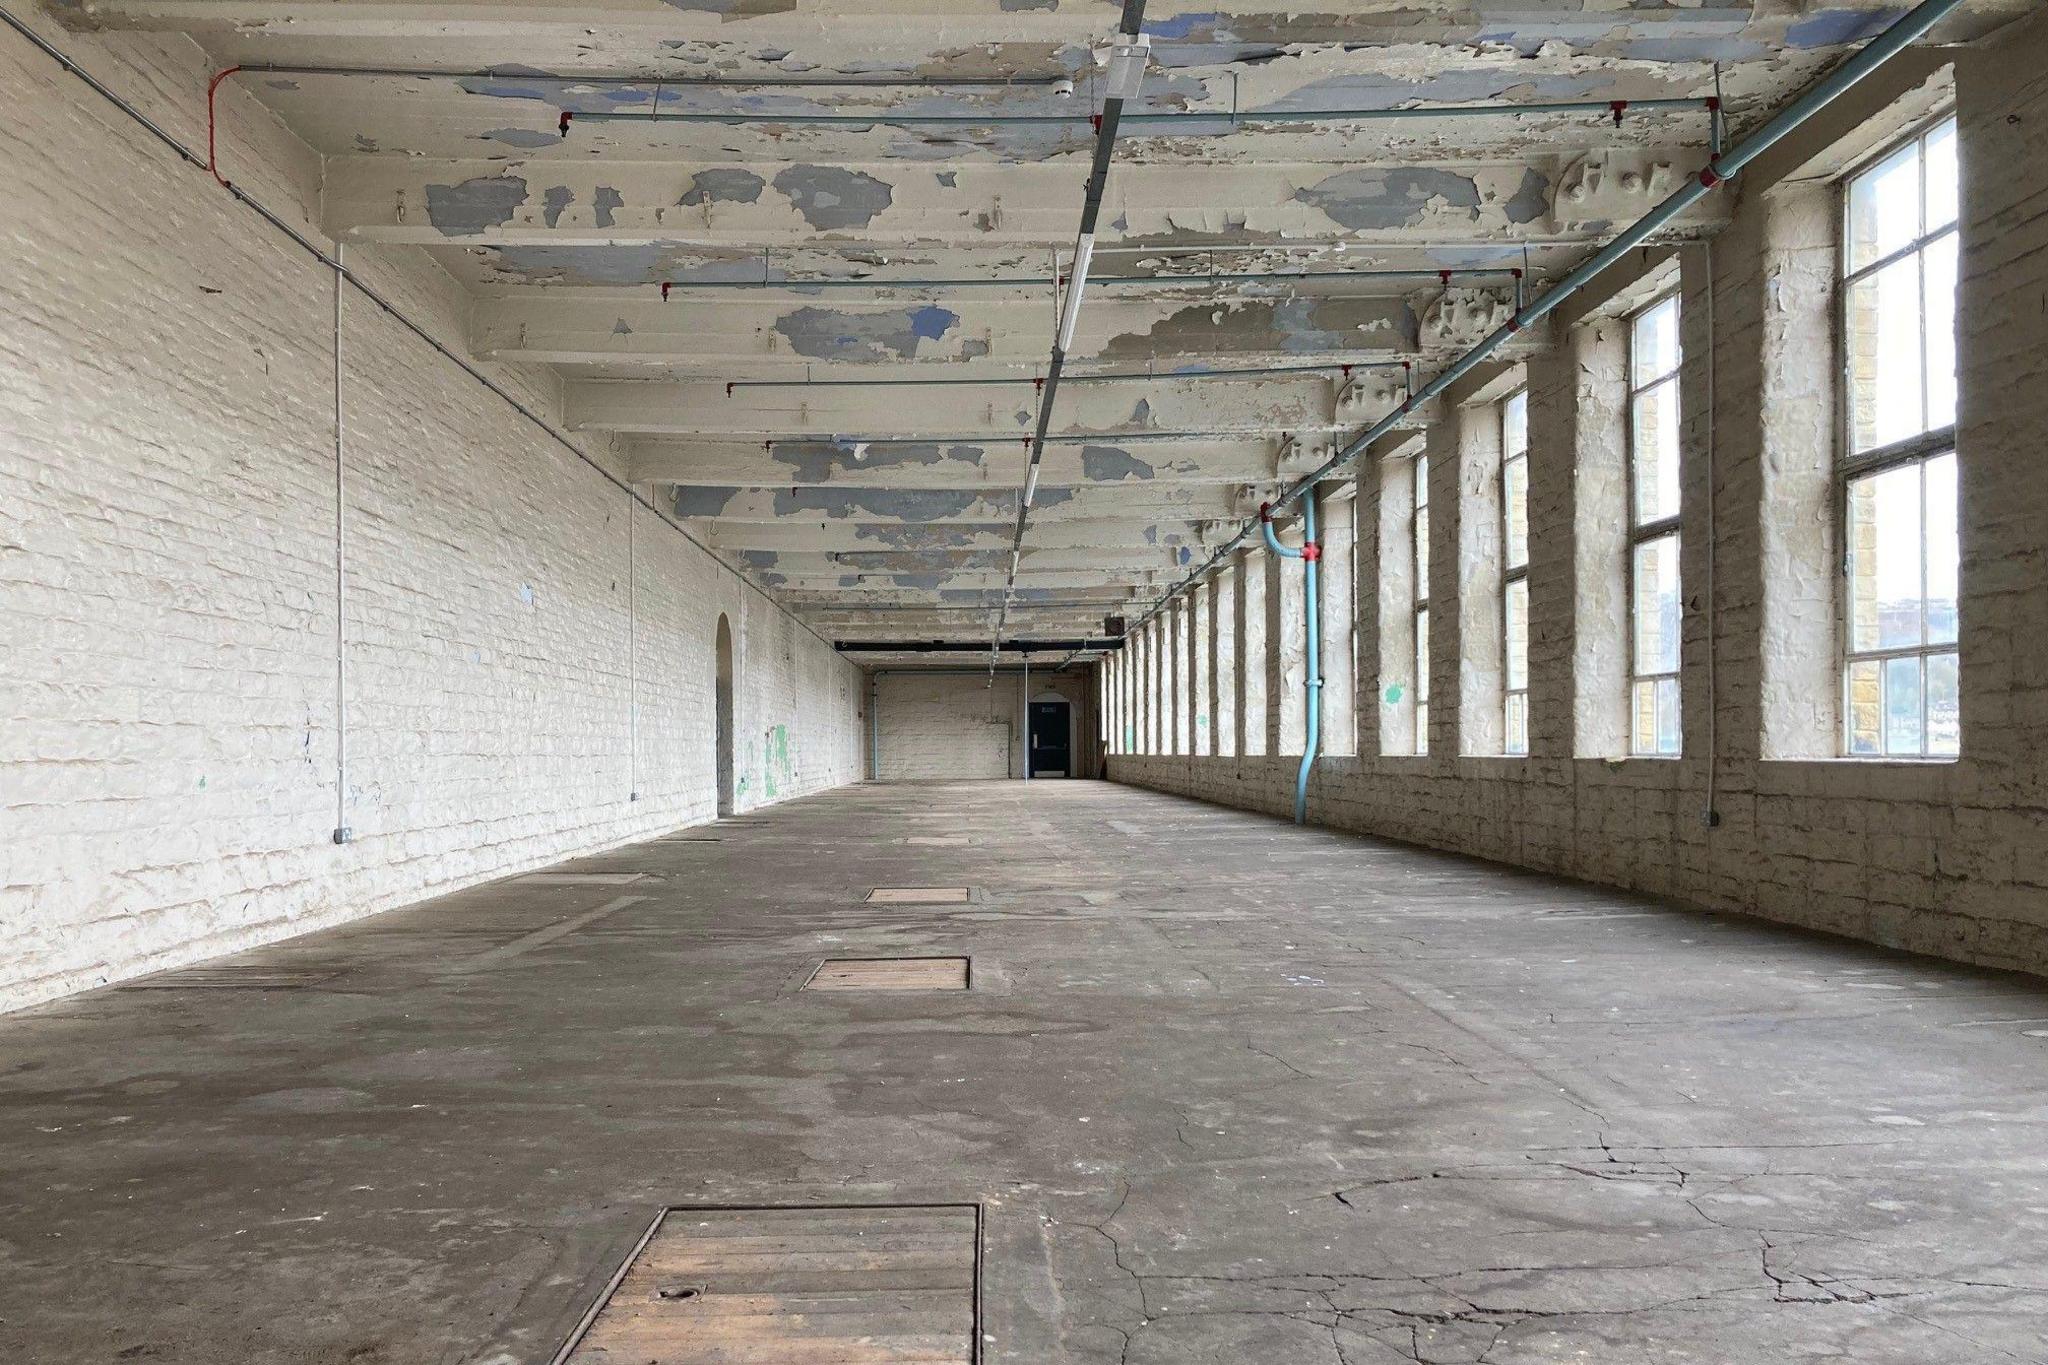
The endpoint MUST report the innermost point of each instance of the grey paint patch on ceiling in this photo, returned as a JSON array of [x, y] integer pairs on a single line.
[[814, 462], [723, 185], [608, 202], [1532, 198], [1111, 464], [1374, 90], [1833, 27], [557, 198], [760, 559], [520, 137], [833, 334], [733, 9], [907, 504], [1298, 326], [645, 263], [689, 500], [923, 582], [1015, 5], [900, 559], [1388, 197], [833, 197], [475, 205], [924, 537]]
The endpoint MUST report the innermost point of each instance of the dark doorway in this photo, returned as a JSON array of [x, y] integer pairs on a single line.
[[1052, 739], [724, 705]]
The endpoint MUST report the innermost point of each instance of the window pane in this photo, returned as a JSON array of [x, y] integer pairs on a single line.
[[1885, 357], [1655, 452], [1514, 496], [1517, 622], [1667, 716], [1655, 351], [1643, 709], [1944, 710], [1422, 655], [1884, 560], [1422, 480], [1655, 588], [1421, 554], [1517, 743], [1940, 283], [1866, 706], [1902, 706], [1884, 207], [1514, 426], [1422, 728], [1942, 551], [1942, 176]]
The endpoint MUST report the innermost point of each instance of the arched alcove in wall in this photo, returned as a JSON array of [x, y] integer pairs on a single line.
[[723, 691]]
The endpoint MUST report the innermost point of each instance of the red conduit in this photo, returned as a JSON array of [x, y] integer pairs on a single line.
[[212, 121]]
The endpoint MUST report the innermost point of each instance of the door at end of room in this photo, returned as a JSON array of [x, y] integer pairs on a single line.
[[1052, 738]]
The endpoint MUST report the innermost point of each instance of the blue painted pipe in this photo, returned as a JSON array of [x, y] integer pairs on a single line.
[[1310, 554]]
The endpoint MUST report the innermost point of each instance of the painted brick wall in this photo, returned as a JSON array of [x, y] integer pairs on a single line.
[[1944, 858], [526, 649], [954, 726]]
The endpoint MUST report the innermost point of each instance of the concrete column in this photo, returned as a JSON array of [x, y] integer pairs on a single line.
[[1481, 654], [1395, 597], [1227, 627], [1553, 443], [1334, 529], [1174, 684], [1289, 592], [1444, 443], [1254, 661], [1201, 648], [1599, 520]]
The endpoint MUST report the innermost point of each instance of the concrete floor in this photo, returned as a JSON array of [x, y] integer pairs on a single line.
[[1230, 1091]]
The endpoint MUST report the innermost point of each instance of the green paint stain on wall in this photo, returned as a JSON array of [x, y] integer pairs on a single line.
[[1394, 694], [778, 773]]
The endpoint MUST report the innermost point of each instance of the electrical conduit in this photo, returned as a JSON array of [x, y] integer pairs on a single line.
[[1309, 554]]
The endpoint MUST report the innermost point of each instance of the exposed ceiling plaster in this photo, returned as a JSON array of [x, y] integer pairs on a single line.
[[883, 512]]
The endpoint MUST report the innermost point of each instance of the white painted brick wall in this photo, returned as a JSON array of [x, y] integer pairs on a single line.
[[167, 560], [1942, 858], [945, 727]]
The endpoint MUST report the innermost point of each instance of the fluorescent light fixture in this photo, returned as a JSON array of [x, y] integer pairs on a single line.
[[1127, 60], [1084, 251]]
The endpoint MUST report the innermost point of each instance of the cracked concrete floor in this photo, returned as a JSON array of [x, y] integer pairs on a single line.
[[1229, 1091]]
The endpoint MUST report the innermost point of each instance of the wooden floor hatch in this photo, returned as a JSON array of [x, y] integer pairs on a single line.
[[919, 895], [814, 1285], [892, 974]]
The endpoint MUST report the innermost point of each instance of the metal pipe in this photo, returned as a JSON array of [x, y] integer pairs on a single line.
[[1000, 439], [1310, 554], [615, 78], [1100, 281], [1214, 121], [972, 646], [1125, 80], [342, 833], [1718, 170], [1125, 376]]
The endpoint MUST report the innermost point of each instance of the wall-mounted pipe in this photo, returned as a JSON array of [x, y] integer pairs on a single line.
[[1219, 277], [1341, 367], [1211, 121], [1718, 170], [995, 439], [1309, 554]]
